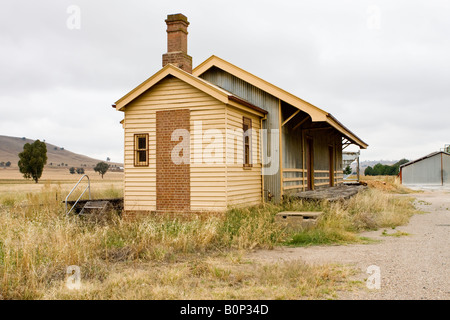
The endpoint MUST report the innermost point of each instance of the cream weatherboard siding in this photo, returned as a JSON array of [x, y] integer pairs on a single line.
[[244, 185], [215, 182], [207, 181]]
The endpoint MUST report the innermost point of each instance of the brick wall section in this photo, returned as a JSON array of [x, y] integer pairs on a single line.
[[177, 25], [179, 59], [177, 33], [173, 183]]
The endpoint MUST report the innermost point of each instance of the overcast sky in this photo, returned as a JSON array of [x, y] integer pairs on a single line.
[[381, 67]]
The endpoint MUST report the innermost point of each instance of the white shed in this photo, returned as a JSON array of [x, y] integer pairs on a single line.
[[433, 169]]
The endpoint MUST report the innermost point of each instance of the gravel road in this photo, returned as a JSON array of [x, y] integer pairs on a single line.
[[415, 266]]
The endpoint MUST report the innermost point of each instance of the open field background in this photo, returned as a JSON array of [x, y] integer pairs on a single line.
[[12, 183]]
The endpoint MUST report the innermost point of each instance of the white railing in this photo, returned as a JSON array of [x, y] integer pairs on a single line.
[[73, 189]]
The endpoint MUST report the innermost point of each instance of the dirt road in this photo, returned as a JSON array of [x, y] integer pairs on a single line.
[[413, 266]]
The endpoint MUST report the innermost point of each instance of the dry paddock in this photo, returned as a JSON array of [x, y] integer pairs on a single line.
[[12, 181]]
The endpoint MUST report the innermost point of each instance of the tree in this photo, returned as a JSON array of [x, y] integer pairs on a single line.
[[72, 170], [385, 170], [368, 171], [101, 168], [8, 164], [398, 164], [80, 170], [32, 160], [2, 164], [348, 170]]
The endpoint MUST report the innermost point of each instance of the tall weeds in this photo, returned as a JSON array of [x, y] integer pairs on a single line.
[[368, 210], [38, 242]]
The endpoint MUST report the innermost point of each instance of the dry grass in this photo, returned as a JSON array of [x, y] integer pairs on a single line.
[[151, 258], [371, 209], [162, 258], [13, 175], [212, 278]]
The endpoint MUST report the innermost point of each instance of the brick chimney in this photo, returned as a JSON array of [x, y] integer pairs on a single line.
[[177, 25]]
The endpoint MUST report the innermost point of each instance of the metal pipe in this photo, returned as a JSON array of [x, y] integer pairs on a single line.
[[358, 170], [87, 188]]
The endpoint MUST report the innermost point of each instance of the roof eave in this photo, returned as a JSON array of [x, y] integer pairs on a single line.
[[346, 132], [170, 69]]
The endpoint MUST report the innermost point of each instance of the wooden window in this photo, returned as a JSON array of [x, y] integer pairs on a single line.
[[141, 150], [247, 141]]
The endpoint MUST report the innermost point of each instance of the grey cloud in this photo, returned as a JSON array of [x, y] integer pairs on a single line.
[[390, 86]]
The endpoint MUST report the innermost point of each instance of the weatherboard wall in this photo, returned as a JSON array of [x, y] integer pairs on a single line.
[[217, 179], [244, 184], [207, 180], [265, 101]]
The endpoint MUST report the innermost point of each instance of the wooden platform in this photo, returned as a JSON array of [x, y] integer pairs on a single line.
[[337, 193]]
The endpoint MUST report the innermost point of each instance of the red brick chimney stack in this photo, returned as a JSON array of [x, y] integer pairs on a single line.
[[177, 25]]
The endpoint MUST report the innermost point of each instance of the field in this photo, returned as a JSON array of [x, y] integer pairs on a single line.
[[13, 184], [167, 258], [58, 157]]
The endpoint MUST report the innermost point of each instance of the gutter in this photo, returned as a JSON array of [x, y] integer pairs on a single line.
[[247, 104]]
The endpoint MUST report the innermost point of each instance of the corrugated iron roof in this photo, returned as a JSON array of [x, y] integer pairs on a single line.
[[424, 157]]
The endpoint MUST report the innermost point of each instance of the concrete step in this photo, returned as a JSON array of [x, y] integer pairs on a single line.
[[297, 220]]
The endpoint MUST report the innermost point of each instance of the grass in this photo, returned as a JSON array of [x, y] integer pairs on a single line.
[[169, 258], [212, 278], [342, 221], [397, 234]]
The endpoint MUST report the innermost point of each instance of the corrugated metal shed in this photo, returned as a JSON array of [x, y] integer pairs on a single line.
[[433, 169]]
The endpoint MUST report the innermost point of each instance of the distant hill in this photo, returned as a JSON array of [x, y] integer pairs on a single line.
[[10, 147]]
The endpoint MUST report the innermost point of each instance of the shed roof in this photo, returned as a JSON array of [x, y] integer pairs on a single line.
[[424, 157], [316, 113]]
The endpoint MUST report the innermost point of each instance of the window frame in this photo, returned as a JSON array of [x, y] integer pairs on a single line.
[[247, 133], [137, 150]]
